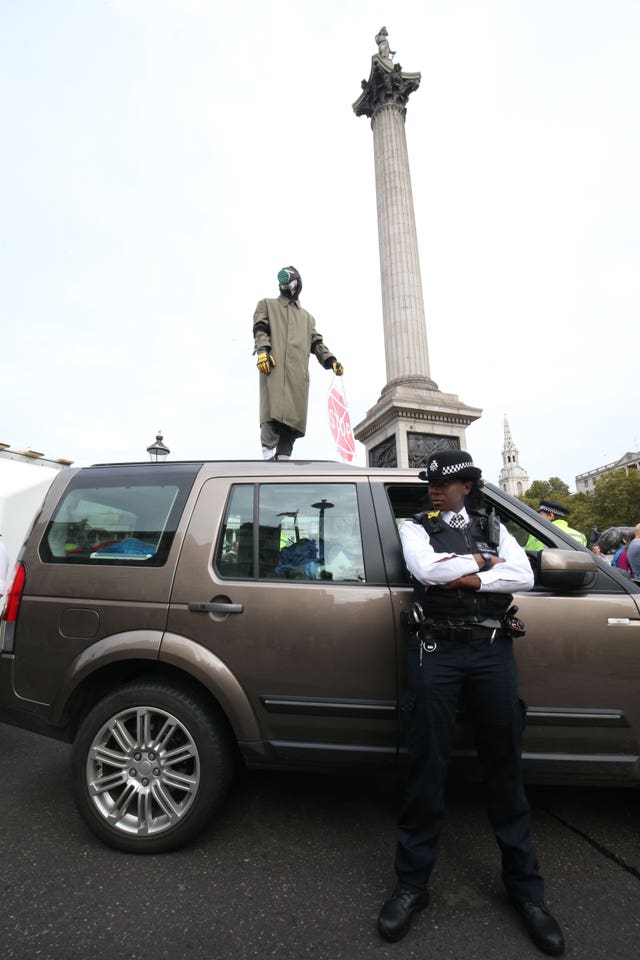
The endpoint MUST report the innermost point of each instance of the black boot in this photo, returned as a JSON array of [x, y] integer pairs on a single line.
[[541, 927], [395, 917]]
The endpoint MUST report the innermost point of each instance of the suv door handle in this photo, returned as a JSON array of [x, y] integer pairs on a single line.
[[197, 607]]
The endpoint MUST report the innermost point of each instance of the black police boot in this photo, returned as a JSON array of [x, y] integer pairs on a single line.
[[395, 917], [541, 927]]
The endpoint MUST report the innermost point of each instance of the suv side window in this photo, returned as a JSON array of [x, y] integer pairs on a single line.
[[305, 531], [522, 534], [234, 556], [407, 499], [107, 521]]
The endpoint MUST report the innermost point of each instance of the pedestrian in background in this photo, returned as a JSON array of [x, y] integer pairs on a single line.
[[633, 554], [620, 559]]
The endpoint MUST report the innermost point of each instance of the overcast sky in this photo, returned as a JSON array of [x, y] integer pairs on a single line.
[[162, 160]]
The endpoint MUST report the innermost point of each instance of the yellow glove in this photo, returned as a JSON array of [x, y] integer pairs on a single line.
[[265, 363], [338, 369]]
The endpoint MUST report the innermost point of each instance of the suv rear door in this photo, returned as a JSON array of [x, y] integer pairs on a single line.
[[312, 641]]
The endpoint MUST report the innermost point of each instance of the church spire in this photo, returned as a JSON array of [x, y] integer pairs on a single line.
[[513, 478]]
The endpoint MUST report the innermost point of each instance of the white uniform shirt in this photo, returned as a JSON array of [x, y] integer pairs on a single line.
[[433, 568]]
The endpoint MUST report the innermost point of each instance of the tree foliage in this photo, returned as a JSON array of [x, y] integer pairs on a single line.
[[615, 501], [582, 513], [552, 489]]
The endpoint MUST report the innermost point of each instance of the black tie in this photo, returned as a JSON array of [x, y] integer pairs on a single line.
[[457, 521]]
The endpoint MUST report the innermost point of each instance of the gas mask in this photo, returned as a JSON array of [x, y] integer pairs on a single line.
[[290, 283]]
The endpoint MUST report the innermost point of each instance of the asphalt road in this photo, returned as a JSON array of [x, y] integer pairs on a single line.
[[298, 867]]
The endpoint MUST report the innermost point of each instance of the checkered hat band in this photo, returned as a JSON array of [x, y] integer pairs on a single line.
[[456, 467]]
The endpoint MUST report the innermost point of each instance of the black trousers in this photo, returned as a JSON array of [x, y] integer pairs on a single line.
[[486, 674], [274, 434]]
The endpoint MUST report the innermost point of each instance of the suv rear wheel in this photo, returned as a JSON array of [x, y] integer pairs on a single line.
[[150, 764]]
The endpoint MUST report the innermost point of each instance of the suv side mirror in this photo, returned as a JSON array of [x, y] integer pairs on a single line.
[[562, 570]]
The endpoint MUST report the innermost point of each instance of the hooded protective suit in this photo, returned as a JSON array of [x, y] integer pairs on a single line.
[[283, 328]]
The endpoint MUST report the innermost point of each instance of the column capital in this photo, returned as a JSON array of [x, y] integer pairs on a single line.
[[387, 85]]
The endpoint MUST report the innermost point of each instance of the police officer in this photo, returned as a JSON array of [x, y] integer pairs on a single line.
[[557, 514], [465, 566]]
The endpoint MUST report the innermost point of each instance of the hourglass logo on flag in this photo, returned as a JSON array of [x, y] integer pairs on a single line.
[[340, 425]]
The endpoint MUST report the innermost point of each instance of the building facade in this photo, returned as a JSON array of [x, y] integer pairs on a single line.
[[585, 482]]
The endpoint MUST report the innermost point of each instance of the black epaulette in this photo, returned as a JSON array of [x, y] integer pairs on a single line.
[[429, 520]]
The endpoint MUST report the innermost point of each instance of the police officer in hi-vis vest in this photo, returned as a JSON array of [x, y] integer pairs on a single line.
[[465, 568], [557, 514]]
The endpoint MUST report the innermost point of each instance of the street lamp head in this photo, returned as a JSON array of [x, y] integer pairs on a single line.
[[322, 505], [158, 451]]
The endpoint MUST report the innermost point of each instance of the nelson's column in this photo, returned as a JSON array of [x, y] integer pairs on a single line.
[[412, 418]]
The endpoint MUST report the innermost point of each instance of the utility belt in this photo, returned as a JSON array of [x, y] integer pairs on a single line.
[[427, 629], [466, 632]]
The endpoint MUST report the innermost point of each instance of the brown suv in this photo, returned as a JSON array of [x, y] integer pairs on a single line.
[[166, 618]]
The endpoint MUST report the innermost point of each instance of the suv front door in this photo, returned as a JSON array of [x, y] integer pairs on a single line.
[[578, 663]]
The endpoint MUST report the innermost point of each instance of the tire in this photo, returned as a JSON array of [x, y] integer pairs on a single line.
[[150, 764]]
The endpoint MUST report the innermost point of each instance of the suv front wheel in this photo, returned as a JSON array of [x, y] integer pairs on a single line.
[[150, 763]]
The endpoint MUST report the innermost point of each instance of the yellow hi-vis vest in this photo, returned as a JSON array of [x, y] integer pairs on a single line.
[[534, 544]]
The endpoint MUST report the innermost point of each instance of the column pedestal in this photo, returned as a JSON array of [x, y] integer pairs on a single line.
[[408, 423]]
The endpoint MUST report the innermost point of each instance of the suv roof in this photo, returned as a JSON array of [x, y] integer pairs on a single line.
[[259, 467]]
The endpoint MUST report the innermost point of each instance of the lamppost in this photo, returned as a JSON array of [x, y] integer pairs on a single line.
[[322, 506], [158, 451]]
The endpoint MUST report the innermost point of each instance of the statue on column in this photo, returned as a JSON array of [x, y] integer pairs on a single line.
[[384, 50]]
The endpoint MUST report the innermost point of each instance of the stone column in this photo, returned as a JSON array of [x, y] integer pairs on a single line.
[[405, 331], [412, 417]]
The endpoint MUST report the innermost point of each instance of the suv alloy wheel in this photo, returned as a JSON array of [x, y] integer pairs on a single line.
[[150, 763]]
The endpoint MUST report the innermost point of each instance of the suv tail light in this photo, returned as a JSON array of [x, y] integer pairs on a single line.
[[14, 595]]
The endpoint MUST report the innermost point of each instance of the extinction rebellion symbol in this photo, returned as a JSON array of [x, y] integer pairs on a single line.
[[340, 424]]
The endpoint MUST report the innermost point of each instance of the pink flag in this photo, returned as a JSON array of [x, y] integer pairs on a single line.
[[340, 425]]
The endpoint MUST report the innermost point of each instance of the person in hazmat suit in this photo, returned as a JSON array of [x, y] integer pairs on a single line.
[[285, 335]]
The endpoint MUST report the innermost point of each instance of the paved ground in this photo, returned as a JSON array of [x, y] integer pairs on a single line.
[[297, 867]]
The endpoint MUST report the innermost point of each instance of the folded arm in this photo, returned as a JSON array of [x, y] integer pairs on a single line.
[[425, 564], [511, 574]]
